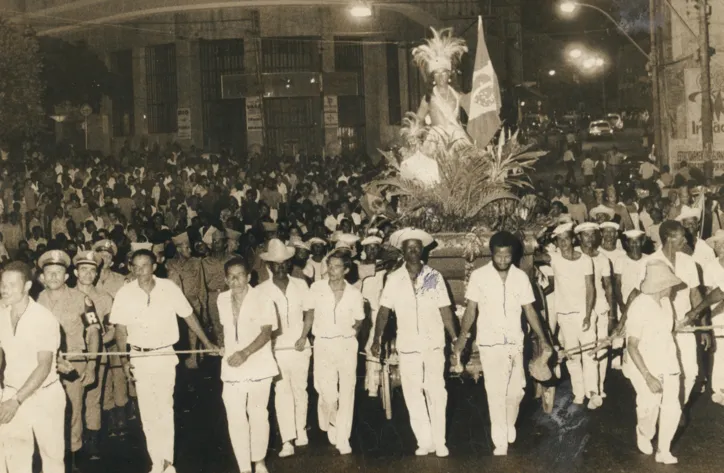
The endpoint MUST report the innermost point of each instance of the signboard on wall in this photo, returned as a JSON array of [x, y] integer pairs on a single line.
[[331, 111], [183, 122], [254, 120]]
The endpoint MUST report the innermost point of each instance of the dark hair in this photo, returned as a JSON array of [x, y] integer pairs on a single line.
[[343, 254], [143, 252], [21, 268], [504, 239], [237, 261], [669, 227]]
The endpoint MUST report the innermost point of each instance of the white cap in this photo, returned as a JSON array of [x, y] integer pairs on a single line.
[[563, 228], [602, 209], [586, 226], [634, 233], [688, 212], [613, 225]]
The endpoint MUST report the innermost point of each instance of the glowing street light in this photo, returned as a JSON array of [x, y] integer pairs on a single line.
[[575, 53], [599, 62], [569, 7], [588, 63], [360, 9], [552, 72]]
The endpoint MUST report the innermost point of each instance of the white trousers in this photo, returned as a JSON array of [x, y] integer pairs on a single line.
[[248, 419], [582, 368], [423, 387], [41, 416], [155, 382], [663, 408], [373, 367], [290, 393], [504, 377], [335, 377], [602, 355], [717, 375], [686, 343]]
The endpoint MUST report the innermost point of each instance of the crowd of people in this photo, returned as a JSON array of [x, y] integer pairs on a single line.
[[101, 258]]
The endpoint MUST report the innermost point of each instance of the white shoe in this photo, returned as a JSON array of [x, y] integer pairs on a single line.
[[287, 450], [422, 451], [595, 402], [442, 451], [344, 449], [644, 445], [302, 439], [718, 398], [260, 467], [500, 451], [666, 458], [512, 434], [603, 395], [578, 400]]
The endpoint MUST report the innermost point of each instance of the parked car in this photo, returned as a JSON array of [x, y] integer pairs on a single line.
[[614, 119], [600, 129]]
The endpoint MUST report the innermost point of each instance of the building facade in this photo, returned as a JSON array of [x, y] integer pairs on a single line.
[[296, 77], [682, 78]]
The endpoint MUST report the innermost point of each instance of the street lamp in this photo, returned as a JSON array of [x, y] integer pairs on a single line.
[[568, 7], [360, 9], [552, 72], [575, 53]]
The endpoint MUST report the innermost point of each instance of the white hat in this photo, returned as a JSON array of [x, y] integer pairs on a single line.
[[316, 241], [348, 239], [372, 240], [277, 251], [659, 276], [613, 225], [716, 238], [634, 233], [688, 212], [562, 228], [135, 246], [586, 226], [409, 233], [602, 209]]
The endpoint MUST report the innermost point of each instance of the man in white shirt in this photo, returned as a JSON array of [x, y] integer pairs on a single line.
[[575, 297], [673, 238], [144, 312], [372, 282], [690, 218], [496, 294], [247, 318], [334, 311], [604, 309], [288, 294], [418, 296], [33, 401]]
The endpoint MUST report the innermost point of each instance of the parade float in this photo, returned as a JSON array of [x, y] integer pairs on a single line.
[[460, 185]]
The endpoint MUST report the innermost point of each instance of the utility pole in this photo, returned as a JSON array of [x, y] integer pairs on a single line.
[[654, 67], [707, 117]]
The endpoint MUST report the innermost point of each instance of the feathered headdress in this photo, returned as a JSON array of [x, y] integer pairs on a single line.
[[440, 51]]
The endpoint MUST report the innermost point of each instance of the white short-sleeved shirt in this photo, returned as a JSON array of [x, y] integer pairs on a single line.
[[150, 318], [37, 330], [630, 272], [686, 271], [500, 304], [570, 282], [714, 278], [417, 306], [615, 254], [601, 269], [703, 253], [257, 311], [289, 309], [332, 319], [652, 324]]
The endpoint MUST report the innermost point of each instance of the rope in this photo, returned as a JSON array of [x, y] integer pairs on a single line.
[[135, 353], [699, 329]]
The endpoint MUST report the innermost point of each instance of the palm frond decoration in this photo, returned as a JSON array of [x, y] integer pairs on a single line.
[[477, 188], [413, 132], [440, 51]]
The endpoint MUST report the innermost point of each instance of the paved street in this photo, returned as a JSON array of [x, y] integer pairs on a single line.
[[628, 141], [571, 439]]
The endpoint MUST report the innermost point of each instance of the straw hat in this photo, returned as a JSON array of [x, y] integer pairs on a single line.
[[277, 251], [563, 228], [612, 225], [602, 209], [409, 233], [659, 277], [586, 226]]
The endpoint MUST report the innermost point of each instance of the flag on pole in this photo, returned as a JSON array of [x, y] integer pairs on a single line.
[[483, 116]]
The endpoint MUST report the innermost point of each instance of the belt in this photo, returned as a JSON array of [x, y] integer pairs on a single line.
[[145, 350]]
